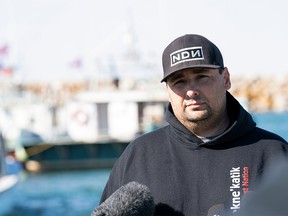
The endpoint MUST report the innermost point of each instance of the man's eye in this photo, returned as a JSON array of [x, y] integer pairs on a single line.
[[180, 81], [202, 76]]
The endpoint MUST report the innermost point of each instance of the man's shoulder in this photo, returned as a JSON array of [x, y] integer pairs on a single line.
[[152, 137], [163, 131], [268, 135]]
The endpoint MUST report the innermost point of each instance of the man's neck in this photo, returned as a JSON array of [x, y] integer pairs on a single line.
[[207, 129]]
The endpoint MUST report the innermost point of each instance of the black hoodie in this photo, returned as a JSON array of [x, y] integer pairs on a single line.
[[190, 177]]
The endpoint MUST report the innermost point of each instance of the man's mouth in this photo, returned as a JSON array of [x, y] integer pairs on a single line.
[[194, 104]]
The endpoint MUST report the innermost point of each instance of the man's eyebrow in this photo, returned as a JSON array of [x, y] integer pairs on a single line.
[[180, 74], [199, 71], [177, 75]]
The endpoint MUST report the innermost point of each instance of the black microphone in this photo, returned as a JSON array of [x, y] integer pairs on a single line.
[[132, 199]]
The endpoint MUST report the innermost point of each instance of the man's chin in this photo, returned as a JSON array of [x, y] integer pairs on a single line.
[[197, 117]]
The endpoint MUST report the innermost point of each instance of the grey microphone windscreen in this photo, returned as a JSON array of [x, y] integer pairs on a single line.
[[132, 199]]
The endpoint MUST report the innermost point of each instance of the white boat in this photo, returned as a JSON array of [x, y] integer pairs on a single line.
[[7, 182], [8, 178], [115, 115], [7, 192]]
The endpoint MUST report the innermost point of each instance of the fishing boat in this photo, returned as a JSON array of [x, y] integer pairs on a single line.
[[99, 127]]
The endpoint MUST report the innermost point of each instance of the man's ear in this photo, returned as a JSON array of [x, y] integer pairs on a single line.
[[167, 92], [227, 81]]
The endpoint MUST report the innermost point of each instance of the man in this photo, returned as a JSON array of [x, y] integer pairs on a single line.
[[211, 152]]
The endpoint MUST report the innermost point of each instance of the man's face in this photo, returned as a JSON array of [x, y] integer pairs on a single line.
[[198, 95]]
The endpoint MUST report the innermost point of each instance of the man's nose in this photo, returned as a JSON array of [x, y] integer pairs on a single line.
[[192, 93], [191, 88]]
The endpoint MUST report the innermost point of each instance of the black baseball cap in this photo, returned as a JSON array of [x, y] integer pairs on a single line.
[[190, 51]]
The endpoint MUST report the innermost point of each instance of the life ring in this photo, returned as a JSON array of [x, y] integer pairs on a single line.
[[80, 117]]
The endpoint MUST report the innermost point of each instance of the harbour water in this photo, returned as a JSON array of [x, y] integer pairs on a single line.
[[73, 193], [77, 193], [275, 122]]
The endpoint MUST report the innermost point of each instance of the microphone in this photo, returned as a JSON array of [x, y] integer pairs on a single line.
[[132, 199]]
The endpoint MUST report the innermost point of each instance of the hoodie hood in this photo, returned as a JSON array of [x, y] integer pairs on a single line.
[[241, 123]]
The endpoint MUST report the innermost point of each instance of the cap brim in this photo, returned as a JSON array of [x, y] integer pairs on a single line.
[[194, 66]]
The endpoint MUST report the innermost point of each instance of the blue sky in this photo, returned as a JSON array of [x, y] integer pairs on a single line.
[[45, 36]]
